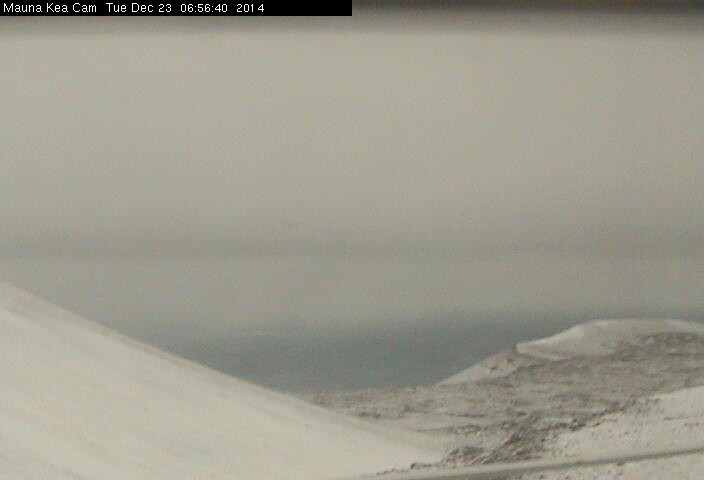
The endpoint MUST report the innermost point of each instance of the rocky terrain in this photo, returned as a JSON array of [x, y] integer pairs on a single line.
[[649, 423], [516, 416]]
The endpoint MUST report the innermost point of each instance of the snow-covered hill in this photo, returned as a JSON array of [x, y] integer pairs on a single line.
[[602, 337], [79, 401], [597, 338]]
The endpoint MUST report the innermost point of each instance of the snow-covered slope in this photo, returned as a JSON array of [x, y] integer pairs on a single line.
[[658, 422], [599, 337], [79, 401], [602, 337], [497, 365]]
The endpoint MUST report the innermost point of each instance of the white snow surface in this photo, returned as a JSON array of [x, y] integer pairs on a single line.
[[78, 401], [601, 337], [674, 418], [596, 338]]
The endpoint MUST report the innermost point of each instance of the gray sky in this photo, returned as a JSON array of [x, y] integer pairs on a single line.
[[476, 138], [205, 187]]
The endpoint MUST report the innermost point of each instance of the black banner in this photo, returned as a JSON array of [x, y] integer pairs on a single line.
[[177, 8]]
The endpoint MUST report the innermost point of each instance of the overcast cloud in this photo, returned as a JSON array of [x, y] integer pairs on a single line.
[[375, 201], [465, 140]]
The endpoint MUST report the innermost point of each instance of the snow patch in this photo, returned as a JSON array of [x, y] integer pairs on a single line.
[[652, 423]]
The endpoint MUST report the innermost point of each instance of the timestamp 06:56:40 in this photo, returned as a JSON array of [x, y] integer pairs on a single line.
[[222, 8]]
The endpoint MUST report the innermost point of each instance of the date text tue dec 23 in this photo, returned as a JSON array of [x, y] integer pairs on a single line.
[[146, 8]]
